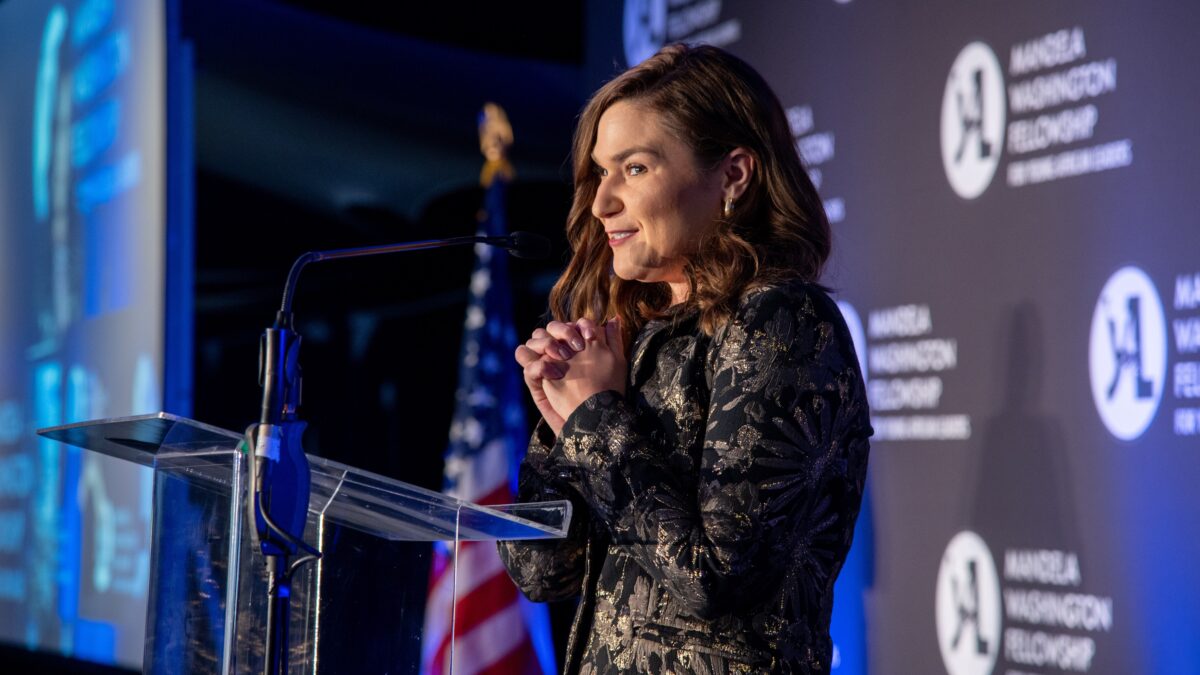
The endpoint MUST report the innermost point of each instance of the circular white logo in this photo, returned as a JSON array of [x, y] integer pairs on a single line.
[[645, 29], [1127, 353], [973, 120], [968, 606], [854, 323]]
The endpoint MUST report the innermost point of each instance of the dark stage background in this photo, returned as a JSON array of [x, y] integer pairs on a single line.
[[1011, 186]]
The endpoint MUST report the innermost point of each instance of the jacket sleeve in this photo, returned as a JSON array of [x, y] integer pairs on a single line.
[[774, 498], [550, 569]]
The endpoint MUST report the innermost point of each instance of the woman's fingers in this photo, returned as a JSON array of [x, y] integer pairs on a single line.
[[568, 333], [526, 356], [588, 329], [542, 369], [556, 349], [612, 337], [535, 348], [595, 349], [537, 375]]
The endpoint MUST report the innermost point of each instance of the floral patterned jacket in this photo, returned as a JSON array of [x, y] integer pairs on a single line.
[[715, 502]]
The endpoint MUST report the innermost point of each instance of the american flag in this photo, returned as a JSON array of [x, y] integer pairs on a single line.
[[497, 630]]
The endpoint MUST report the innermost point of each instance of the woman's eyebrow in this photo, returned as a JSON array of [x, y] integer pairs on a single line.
[[625, 154]]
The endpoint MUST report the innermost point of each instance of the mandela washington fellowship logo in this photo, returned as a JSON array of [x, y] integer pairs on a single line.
[[1127, 353], [645, 29], [968, 606], [973, 120]]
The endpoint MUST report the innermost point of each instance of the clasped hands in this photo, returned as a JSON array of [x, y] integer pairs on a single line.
[[567, 363]]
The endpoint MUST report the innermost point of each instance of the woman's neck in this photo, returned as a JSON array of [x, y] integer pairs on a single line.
[[679, 292]]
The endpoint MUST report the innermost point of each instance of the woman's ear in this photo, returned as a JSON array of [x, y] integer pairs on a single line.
[[737, 169]]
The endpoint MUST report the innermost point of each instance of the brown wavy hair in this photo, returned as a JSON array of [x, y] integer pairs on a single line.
[[714, 102]]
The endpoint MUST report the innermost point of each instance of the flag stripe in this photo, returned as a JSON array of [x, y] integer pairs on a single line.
[[502, 633], [475, 609], [483, 586], [484, 635], [477, 562], [520, 660]]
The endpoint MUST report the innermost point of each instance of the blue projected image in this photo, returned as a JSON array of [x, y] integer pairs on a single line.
[[94, 134], [91, 18], [82, 270], [103, 64]]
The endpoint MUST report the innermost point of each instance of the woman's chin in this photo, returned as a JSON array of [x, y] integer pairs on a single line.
[[646, 274], [626, 273], [638, 277]]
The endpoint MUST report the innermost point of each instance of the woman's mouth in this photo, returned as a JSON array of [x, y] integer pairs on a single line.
[[618, 237]]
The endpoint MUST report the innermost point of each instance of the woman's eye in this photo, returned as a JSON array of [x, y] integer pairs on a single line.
[[636, 169], [599, 171]]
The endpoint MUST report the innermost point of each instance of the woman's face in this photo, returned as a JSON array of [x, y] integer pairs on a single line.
[[653, 197]]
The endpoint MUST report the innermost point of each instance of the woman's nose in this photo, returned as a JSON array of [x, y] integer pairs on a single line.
[[605, 204]]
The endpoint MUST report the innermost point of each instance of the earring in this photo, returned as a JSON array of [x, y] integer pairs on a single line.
[[728, 210]]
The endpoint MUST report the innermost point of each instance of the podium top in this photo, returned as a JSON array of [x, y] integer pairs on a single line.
[[361, 500]]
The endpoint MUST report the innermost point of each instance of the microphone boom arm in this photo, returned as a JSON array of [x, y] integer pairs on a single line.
[[520, 244]]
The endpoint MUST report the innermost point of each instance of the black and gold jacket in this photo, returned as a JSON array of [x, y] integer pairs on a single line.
[[715, 502]]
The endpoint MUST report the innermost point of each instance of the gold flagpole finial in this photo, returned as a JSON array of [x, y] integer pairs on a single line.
[[495, 140]]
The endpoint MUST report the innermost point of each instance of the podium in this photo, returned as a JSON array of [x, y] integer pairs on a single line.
[[360, 609]]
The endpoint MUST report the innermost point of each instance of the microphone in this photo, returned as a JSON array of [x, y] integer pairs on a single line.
[[280, 478], [279, 473], [527, 245]]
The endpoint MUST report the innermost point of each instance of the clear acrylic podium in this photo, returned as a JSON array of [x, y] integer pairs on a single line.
[[360, 609]]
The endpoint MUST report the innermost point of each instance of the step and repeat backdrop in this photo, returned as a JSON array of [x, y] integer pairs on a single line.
[[1014, 188]]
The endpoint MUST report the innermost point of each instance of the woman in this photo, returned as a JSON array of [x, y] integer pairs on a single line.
[[718, 470]]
